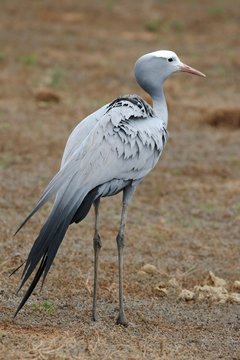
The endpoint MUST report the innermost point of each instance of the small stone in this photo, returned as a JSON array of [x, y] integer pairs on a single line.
[[213, 293], [186, 295], [161, 285], [234, 297], [141, 274], [236, 285], [216, 281], [161, 291], [174, 283], [149, 269]]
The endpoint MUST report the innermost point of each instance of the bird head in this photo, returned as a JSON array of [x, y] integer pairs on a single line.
[[152, 69]]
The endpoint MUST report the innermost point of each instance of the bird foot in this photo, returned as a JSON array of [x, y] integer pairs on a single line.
[[121, 320], [94, 317]]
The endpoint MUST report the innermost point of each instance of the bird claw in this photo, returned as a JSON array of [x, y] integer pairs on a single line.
[[121, 320], [94, 317]]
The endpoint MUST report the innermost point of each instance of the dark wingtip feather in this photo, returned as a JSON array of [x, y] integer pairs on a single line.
[[24, 222], [85, 206], [50, 237], [43, 199], [33, 284], [15, 270]]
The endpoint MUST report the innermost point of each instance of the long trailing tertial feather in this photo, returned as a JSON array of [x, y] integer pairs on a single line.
[[61, 210], [51, 235], [15, 270], [52, 188], [33, 285]]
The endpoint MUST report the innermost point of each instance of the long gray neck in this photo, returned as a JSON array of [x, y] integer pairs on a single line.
[[160, 106], [150, 72]]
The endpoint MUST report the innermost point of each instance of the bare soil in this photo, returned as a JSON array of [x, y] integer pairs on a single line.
[[59, 61]]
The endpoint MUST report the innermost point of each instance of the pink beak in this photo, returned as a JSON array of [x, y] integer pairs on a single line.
[[186, 68]]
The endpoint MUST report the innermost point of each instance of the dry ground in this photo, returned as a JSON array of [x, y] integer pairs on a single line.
[[59, 61]]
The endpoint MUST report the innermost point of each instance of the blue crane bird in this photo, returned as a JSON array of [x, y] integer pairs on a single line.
[[110, 151]]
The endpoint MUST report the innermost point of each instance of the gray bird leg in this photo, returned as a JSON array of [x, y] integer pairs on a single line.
[[127, 195], [97, 244]]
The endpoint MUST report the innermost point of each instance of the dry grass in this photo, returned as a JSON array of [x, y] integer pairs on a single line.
[[58, 63]]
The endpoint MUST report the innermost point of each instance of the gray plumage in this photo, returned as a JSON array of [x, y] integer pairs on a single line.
[[110, 151]]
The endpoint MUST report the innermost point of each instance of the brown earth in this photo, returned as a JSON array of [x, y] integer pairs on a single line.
[[59, 61]]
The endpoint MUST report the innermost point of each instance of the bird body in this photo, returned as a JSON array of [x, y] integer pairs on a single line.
[[110, 151]]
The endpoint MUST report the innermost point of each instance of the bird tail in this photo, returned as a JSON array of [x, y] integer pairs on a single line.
[[70, 206], [47, 243]]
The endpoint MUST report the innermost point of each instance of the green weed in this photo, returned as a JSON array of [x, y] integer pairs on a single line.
[[208, 208], [46, 306], [219, 69], [56, 76], [2, 56], [176, 25], [109, 5], [216, 11], [29, 59], [236, 208], [6, 161], [2, 336], [152, 25]]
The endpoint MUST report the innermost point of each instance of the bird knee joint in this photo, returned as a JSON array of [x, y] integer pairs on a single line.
[[97, 243], [120, 240]]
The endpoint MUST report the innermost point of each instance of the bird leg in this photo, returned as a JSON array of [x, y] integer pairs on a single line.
[[97, 244], [127, 195]]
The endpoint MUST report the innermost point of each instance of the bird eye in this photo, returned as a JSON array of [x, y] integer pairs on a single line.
[[170, 59]]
